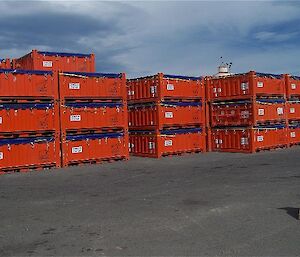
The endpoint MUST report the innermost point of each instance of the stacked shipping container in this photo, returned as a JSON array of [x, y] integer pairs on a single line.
[[55, 61], [94, 124], [62, 114], [29, 123], [293, 108], [166, 115], [247, 112]]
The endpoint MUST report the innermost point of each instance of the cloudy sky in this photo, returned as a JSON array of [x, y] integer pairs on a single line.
[[142, 38]]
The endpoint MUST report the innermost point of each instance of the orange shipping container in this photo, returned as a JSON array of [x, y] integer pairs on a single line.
[[247, 85], [29, 84], [169, 142], [166, 115], [162, 87], [293, 110], [28, 117], [247, 113], [95, 115], [249, 140], [54, 61], [292, 86], [92, 85], [25, 153], [93, 148], [294, 134]]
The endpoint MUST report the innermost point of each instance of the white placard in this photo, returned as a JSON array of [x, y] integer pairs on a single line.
[[244, 141], [1, 156], [169, 115], [261, 112], [151, 145], [245, 114], [293, 134], [77, 149], [244, 86], [260, 84], [0, 120], [74, 86], [292, 110], [47, 64], [293, 86], [75, 118], [280, 110], [153, 90], [260, 138], [170, 87], [168, 142]]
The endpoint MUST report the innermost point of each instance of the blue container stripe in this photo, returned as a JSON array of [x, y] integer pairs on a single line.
[[270, 100], [274, 126], [295, 77], [183, 103], [17, 106], [296, 125], [181, 77], [35, 72], [181, 131], [269, 75], [233, 103], [93, 105], [93, 136], [95, 75], [22, 140], [64, 54]]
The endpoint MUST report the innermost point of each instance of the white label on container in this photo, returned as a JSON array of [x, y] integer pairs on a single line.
[[261, 112], [77, 149], [0, 120], [244, 141], [219, 90], [245, 114], [293, 134], [170, 87], [217, 141], [75, 118], [244, 86], [47, 64], [220, 141], [168, 142], [260, 138], [280, 111], [74, 85], [151, 145], [292, 110], [169, 115], [260, 84], [214, 90], [153, 89], [293, 86], [1, 156]]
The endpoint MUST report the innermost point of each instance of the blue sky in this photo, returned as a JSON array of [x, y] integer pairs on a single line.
[[142, 38]]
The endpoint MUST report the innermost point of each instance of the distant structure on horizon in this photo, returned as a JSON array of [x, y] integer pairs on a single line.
[[224, 70]]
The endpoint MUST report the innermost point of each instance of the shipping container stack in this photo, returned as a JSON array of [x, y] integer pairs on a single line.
[[248, 112], [29, 121], [293, 108], [166, 115], [94, 123]]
